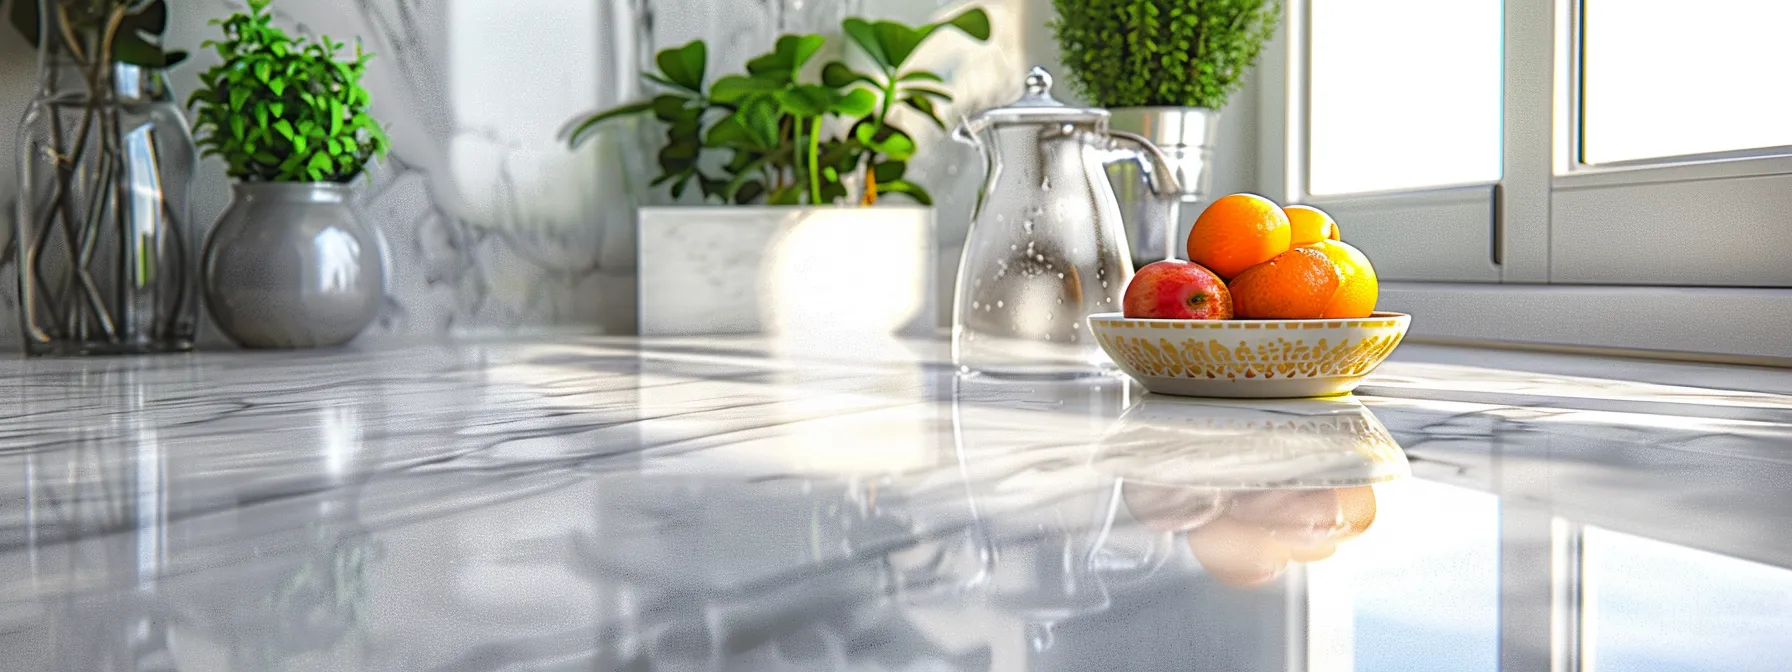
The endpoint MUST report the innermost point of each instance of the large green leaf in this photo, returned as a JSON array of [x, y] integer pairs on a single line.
[[727, 132], [789, 56], [856, 103], [579, 133], [890, 142], [742, 175], [749, 192], [23, 17], [974, 22], [131, 48], [152, 18], [898, 41], [889, 171], [684, 66], [909, 189], [791, 195], [735, 88], [666, 107], [806, 101], [839, 76], [760, 115], [937, 94], [925, 106], [863, 34]]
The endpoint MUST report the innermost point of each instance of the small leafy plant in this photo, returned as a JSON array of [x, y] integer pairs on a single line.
[[772, 125], [1161, 53], [283, 109]]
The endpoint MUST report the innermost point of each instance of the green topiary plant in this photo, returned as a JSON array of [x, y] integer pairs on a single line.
[[770, 123], [281, 109], [1161, 53]]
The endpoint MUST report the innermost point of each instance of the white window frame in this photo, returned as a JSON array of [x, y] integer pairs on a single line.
[[1529, 278]]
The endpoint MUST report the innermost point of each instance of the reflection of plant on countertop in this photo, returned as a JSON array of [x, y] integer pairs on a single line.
[[770, 124], [1161, 53], [281, 109]]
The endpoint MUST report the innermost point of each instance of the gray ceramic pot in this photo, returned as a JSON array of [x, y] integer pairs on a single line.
[[291, 265]]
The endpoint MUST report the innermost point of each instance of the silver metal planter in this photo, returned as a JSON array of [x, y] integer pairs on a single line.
[[1187, 136]]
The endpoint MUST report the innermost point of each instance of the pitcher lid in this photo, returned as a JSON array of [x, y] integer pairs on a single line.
[[1037, 106]]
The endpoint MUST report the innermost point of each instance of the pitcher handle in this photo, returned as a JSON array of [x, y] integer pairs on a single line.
[[1158, 170]]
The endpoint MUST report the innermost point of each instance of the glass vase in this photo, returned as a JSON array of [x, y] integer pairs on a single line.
[[107, 263]]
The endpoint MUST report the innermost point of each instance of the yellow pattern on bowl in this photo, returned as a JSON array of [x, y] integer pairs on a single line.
[[1249, 358]]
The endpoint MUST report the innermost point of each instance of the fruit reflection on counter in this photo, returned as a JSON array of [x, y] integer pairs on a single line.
[[1248, 538], [1252, 259], [1254, 486]]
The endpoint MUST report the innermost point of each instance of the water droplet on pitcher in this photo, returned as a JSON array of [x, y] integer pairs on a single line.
[[1045, 185], [1012, 248], [1048, 337], [1060, 301], [1073, 338], [999, 304], [976, 304], [1028, 226], [1060, 276], [1104, 284], [1039, 257]]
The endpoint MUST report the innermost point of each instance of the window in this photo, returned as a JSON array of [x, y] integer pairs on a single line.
[[1621, 151], [1671, 135], [1664, 78], [1383, 120], [1404, 149]]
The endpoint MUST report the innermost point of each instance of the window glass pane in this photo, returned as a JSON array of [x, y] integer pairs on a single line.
[[1404, 94], [1652, 606], [1667, 77]]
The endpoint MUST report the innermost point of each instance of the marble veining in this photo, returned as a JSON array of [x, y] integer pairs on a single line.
[[734, 504]]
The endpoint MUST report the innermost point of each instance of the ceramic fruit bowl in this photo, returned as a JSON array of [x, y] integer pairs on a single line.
[[1249, 359]]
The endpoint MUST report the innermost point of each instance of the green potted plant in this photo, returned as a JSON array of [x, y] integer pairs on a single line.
[[1164, 68], [773, 154], [290, 263], [107, 258]]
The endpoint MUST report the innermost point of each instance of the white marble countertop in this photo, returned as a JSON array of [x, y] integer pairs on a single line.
[[614, 504]]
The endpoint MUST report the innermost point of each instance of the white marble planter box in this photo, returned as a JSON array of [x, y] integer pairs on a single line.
[[848, 272]]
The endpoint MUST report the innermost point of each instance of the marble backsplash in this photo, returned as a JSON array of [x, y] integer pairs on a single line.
[[493, 224]]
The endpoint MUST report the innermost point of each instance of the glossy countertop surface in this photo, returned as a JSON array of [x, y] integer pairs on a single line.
[[721, 504]]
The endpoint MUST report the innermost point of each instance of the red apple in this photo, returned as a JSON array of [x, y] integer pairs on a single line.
[[1177, 290]]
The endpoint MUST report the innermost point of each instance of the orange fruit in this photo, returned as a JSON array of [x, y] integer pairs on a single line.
[[1359, 509], [1237, 232], [1310, 225], [1295, 285], [1358, 287]]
